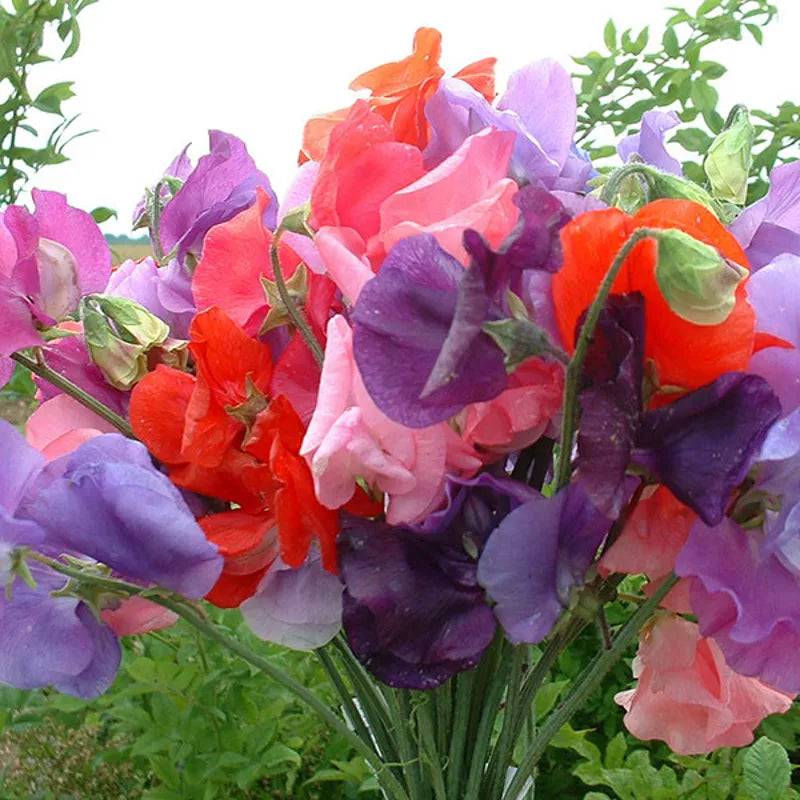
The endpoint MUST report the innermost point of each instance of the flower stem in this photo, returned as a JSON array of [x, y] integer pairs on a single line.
[[298, 319], [575, 368], [213, 632], [586, 683], [68, 387]]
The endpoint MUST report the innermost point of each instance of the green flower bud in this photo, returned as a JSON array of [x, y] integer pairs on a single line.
[[119, 334], [730, 157], [697, 282]]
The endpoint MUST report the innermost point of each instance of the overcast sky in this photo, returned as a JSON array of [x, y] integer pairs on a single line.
[[152, 75]]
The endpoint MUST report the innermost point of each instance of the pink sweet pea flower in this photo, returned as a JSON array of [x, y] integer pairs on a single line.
[[518, 416], [61, 424], [650, 542], [136, 615], [689, 697], [49, 259], [349, 439], [470, 189]]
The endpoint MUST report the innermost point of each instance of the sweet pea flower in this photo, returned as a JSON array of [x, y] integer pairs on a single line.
[[771, 225], [772, 291], [649, 143], [469, 189], [399, 91], [538, 110], [348, 439], [689, 697], [49, 259], [105, 501], [414, 613], [222, 184], [165, 292]]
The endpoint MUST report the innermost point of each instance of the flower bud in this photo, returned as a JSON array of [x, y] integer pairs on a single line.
[[730, 157], [119, 334], [697, 282]]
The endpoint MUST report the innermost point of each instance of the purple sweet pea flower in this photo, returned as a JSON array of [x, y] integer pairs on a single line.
[[297, 608], [649, 143], [449, 361], [49, 259], [223, 184], [535, 557], [700, 446], [539, 107], [401, 322], [773, 293], [414, 613], [105, 501], [771, 226], [165, 292]]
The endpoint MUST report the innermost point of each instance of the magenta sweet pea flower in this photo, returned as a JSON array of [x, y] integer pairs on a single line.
[[49, 259]]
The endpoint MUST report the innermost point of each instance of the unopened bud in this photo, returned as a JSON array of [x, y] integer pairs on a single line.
[[730, 157]]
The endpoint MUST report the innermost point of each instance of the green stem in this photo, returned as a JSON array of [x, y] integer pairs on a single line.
[[216, 634], [155, 222], [575, 368], [586, 683], [297, 317], [428, 742], [68, 387], [501, 757], [458, 736]]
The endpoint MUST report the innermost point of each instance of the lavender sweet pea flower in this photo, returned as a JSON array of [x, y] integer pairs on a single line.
[[746, 600], [414, 613], [534, 559], [773, 293], [649, 143], [297, 608], [49, 259], [771, 226], [223, 184], [165, 292], [539, 107], [105, 501]]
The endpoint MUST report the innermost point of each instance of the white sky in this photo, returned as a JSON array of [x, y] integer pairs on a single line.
[[152, 75]]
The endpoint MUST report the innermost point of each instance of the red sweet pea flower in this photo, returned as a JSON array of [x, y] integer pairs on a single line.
[[399, 91], [686, 355], [222, 434]]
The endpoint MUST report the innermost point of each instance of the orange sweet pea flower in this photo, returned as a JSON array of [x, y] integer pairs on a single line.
[[399, 91], [223, 435], [686, 355]]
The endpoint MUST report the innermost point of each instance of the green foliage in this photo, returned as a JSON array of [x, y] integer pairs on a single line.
[[638, 72], [23, 148], [186, 723]]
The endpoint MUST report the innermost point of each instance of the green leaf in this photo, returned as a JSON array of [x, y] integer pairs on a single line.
[[102, 214], [610, 35], [767, 771], [704, 97], [49, 100], [670, 43], [696, 140], [708, 5], [755, 32]]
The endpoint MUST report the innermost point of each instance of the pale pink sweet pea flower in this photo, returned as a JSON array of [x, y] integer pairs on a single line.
[[349, 439], [469, 189], [59, 426], [689, 697], [650, 541]]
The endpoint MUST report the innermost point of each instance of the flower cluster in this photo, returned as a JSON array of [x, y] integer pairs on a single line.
[[456, 380]]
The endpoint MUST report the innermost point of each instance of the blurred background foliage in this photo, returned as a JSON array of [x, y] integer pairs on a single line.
[[186, 722]]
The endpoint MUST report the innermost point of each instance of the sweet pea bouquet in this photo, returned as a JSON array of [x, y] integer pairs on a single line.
[[422, 417]]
